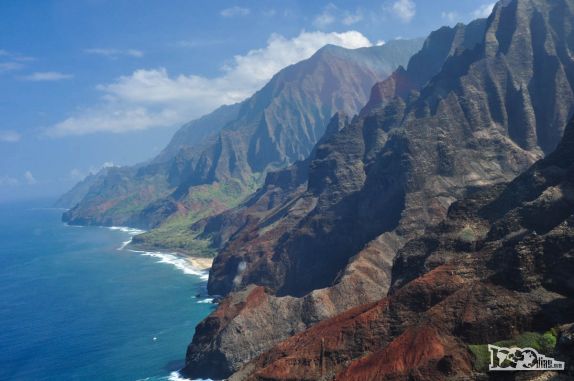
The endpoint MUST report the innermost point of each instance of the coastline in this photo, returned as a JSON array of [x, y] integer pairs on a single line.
[[194, 261], [189, 264], [200, 263]]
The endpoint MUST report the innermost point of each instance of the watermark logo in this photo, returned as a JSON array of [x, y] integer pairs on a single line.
[[511, 359]]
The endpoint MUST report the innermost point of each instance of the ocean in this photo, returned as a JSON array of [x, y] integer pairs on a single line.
[[76, 305]]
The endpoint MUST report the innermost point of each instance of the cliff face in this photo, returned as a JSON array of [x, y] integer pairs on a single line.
[[325, 232], [268, 210], [277, 126], [500, 265], [79, 191], [399, 166]]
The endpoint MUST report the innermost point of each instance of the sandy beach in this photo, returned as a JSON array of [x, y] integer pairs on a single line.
[[199, 263]]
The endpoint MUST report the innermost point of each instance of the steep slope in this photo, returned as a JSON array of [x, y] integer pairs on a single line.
[[498, 268], [189, 136], [275, 127], [79, 191], [196, 133], [465, 128], [383, 179], [262, 215]]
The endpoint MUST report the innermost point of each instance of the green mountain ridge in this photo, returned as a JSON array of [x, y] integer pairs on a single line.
[[275, 127]]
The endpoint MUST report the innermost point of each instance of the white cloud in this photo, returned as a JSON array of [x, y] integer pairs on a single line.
[[114, 53], [152, 98], [9, 136], [352, 18], [235, 11], [332, 14], [405, 10], [451, 17], [326, 18], [12, 61], [7, 181], [198, 43], [76, 175], [46, 76], [269, 12], [15, 56], [111, 118], [30, 180], [483, 11], [10, 66]]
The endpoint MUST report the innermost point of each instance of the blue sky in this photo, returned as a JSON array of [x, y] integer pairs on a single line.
[[88, 83]]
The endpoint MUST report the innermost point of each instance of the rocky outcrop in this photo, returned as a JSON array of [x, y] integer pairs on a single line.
[[396, 169], [498, 266]]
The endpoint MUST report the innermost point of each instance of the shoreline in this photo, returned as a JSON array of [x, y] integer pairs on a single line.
[[201, 263], [189, 264], [197, 262]]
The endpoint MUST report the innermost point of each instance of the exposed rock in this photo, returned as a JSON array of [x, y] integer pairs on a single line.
[[397, 168], [460, 284], [215, 162]]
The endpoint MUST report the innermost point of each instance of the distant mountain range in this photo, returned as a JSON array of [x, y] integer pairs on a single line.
[[213, 163], [477, 106]]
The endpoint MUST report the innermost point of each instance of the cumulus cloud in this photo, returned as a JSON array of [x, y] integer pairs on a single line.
[[483, 11], [450, 17], [405, 10], [9, 136], [114, 53], [30, 180], [235, 12], [42, 76], [154, 98]]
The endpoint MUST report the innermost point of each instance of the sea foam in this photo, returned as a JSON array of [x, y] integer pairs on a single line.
[[176, 261], [175, 376], [125, 229], [168, 258]]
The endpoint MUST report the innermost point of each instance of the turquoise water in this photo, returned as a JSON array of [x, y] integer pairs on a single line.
[[74, 307]]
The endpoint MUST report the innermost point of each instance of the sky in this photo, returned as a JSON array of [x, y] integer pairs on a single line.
[[91, 83]]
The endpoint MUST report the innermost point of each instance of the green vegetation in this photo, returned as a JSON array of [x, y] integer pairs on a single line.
[[139, 194], [177, 234], [543, 343], [177, 237]]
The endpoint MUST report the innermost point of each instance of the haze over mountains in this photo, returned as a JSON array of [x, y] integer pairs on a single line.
[[212, 163], [342, 251]]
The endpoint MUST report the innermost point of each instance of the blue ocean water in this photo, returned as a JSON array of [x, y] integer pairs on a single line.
[[74, 307]]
